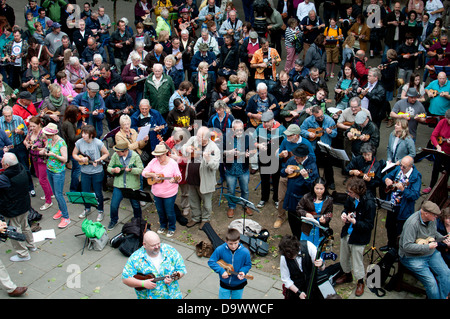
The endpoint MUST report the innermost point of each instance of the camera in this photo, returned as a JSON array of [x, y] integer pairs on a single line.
[[11, 232]]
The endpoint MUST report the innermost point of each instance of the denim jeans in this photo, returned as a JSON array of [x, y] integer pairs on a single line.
[[166, 212], [230, 294], [74, 175], [243, 184], [432, 272], [96, 182], [57, 183], [116, 199]]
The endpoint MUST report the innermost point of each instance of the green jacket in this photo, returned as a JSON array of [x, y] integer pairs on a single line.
[[54, 9], [127, 179], [159, 97]]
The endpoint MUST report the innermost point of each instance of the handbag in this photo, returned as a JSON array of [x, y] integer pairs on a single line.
[[95, 243], [145, 157]]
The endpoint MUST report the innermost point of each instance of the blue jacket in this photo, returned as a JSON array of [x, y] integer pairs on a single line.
[[410, 194], [239, 259], [298, 186], [99, 104], [156, 119], [310, 122]]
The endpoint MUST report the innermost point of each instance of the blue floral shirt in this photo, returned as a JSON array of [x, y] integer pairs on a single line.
[[172, 262]]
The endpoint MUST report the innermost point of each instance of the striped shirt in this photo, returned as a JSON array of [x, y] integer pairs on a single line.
[[16, 139]]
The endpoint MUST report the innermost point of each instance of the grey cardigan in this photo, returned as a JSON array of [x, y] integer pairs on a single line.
[[404, 147], [414, 229]]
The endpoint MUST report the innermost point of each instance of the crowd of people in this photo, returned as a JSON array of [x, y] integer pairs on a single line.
[[194, 93]]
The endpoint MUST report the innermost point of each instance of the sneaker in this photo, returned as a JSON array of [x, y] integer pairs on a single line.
[[276, 205], [43, 197], [170, 233], [112, 225], [143, 203], [84, 213], [161, 230], [332, 76], [33, 193], [427, 190], [100, 216], [18, 258], [261, 204], [46, 206], [58, 215], [64, 223]]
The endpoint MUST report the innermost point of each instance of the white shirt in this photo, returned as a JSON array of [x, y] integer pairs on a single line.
[[284, 270], [303, 9], [431, 6], [365, 100]]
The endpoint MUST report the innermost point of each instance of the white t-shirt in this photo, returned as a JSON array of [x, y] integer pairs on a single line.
[[304, 8], [431, 6]]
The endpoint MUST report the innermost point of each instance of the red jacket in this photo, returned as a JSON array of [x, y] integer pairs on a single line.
[[24, 112]]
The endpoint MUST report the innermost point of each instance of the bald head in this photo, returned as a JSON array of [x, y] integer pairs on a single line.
[[151, 243], [158, 48]]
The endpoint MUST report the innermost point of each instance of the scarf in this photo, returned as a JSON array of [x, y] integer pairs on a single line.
[[57, 102], [202, 84]]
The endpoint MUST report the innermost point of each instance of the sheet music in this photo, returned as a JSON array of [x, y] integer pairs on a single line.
[[143, 133], [336, 153], [388, 166]]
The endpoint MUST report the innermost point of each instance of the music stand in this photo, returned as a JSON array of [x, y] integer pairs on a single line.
[[137, 194], [82, 198], [384, 204], [244, 203]]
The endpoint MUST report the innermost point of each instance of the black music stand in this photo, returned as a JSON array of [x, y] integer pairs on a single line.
[[244, 203], [384, 204], [137, 194], [82, 198]]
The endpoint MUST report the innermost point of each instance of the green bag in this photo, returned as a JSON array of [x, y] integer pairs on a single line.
[[91, 229]]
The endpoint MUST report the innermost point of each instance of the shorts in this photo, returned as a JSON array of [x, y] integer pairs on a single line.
[[332, 54]]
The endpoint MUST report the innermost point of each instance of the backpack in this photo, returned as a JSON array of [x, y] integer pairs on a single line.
[[132, 236]]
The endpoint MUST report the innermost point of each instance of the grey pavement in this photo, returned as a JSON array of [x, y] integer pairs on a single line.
[[61, 269]]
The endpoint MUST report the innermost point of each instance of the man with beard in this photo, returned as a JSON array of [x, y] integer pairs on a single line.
[[321, 127], [160, 260]]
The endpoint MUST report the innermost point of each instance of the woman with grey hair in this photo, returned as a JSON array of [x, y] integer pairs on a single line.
[[76, 74], [367, 167], [139, 49], [131, 73], [117, 103], [170, 70]]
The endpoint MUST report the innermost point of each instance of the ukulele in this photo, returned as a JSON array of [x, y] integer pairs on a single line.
[[297, 169], [393, 187], [90, 161], [433, 93], [19, 127], [230, 269], [122, 168], [84, 116], [284, 159], [131, 85], [356, 134], [370, 174], [6, 99], [174, 276], [161, 178], [339, 96], [269, 64], [441, 140], [256, 122], [79, 81], [117, 113], [319, 131], [33, 88]]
